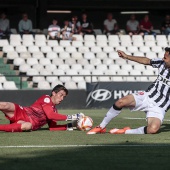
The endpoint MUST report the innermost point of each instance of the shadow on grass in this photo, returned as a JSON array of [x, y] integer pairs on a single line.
[[86, 158], [165, 128]]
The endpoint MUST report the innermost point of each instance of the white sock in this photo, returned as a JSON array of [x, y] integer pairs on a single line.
[[109, 116], [139, 130]]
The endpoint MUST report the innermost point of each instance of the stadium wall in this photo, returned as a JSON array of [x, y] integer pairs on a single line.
[[97, 95]]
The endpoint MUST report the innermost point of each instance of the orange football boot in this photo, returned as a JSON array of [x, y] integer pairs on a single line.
[[96, 130]]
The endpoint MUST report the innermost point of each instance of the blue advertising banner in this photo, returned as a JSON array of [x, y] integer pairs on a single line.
[[104, 94]]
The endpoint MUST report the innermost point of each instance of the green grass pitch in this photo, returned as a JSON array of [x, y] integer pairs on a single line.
[[60, 150]]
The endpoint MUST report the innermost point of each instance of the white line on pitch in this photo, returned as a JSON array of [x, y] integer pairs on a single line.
[[71, 146], [135, 118]]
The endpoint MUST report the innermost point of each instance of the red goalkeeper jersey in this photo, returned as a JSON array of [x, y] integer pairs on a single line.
[[42, 111]]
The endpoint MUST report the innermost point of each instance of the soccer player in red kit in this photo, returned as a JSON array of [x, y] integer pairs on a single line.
[[42, 111]]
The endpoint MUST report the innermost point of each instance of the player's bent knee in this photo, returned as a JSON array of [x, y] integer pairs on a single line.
[[26, 126], [152, 129], [120, 103]]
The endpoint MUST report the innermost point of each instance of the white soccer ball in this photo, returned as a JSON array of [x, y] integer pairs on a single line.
[[85, 123]]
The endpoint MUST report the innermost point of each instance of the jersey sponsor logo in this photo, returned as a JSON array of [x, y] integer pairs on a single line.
[[47, 100], [164, 80], [101, 95]]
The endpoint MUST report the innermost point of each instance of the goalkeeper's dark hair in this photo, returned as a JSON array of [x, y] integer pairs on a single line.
[[58, 88]]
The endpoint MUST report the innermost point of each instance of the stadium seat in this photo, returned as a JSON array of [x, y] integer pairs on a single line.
[[44, 61], [70, 49], [15, 43], [33, 49], [156, 49], [78, 37], [138, 43], [58, 72], [50, 67], [114, 38], [104, 78], [63, 66], [115, 67], [138, 38], [126, 67], [58, 49], [46, 49], [85, 73], [89, 44], [96, 73], [1, 87], [18, 61], [113, 55], [76, 66], [102, 67], [95, 61], [37, 79], [2, 78], [27, 43], [150, 43], [3, 42], [101, 55], [70, 61], [132, 49], [7, 48], [108, 61], [101, 38], [45, 72], [40, 43], [162, 44], [25, 55], [70, 85], [83, 49], [28, 37], [151, 54], [109, 72], [40, 37], [148, 72], [83, 61], [9, 85], [89, 55], [77, 44], [64, 43], [139, 67], [81, 85], [52, 79], [101, 44], [149, 38], [64, 55], [120, 61], [117, 78], [57, 61], [53, 84], [11, 55], [138, 54], [65, 79], [122, 72], [123, 48], [126, 43], [108, 49], [144, 49], [32, 61], [52, 43], [20, 49], [96, 49], [89, 67], [43, 85], [161, 54], [38, 67], [24, 67], [76, 55], [16, 37], [37, 54], [113, 43], [51, 55], [32, 72], [89, 38]]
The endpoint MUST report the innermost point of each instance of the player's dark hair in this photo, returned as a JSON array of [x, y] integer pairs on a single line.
[[167, 49], [59, 87]]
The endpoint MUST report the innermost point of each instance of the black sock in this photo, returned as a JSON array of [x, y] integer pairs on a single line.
[[145, 129], [116, 108]]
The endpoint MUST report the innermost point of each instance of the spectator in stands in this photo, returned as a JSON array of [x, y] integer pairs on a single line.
[[73, 24], [110, 25], [132, 25], [166, 25], [25, 25], [67, 33], [85, 26], [4, 26], [146, 26], [54, 30]]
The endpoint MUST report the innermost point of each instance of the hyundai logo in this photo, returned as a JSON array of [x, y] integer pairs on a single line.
[[101, 95]]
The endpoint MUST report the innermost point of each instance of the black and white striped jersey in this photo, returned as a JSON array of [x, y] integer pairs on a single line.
[[159, 90]]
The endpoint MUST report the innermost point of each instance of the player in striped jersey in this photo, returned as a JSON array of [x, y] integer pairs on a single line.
[[155, 101]]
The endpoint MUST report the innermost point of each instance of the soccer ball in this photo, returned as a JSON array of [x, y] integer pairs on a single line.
[[85, 123]]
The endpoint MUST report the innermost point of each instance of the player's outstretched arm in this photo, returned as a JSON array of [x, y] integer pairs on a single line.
[[141, 60]]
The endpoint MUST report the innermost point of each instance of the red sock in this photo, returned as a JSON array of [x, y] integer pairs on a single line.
[[58, 127], [14, 127]]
